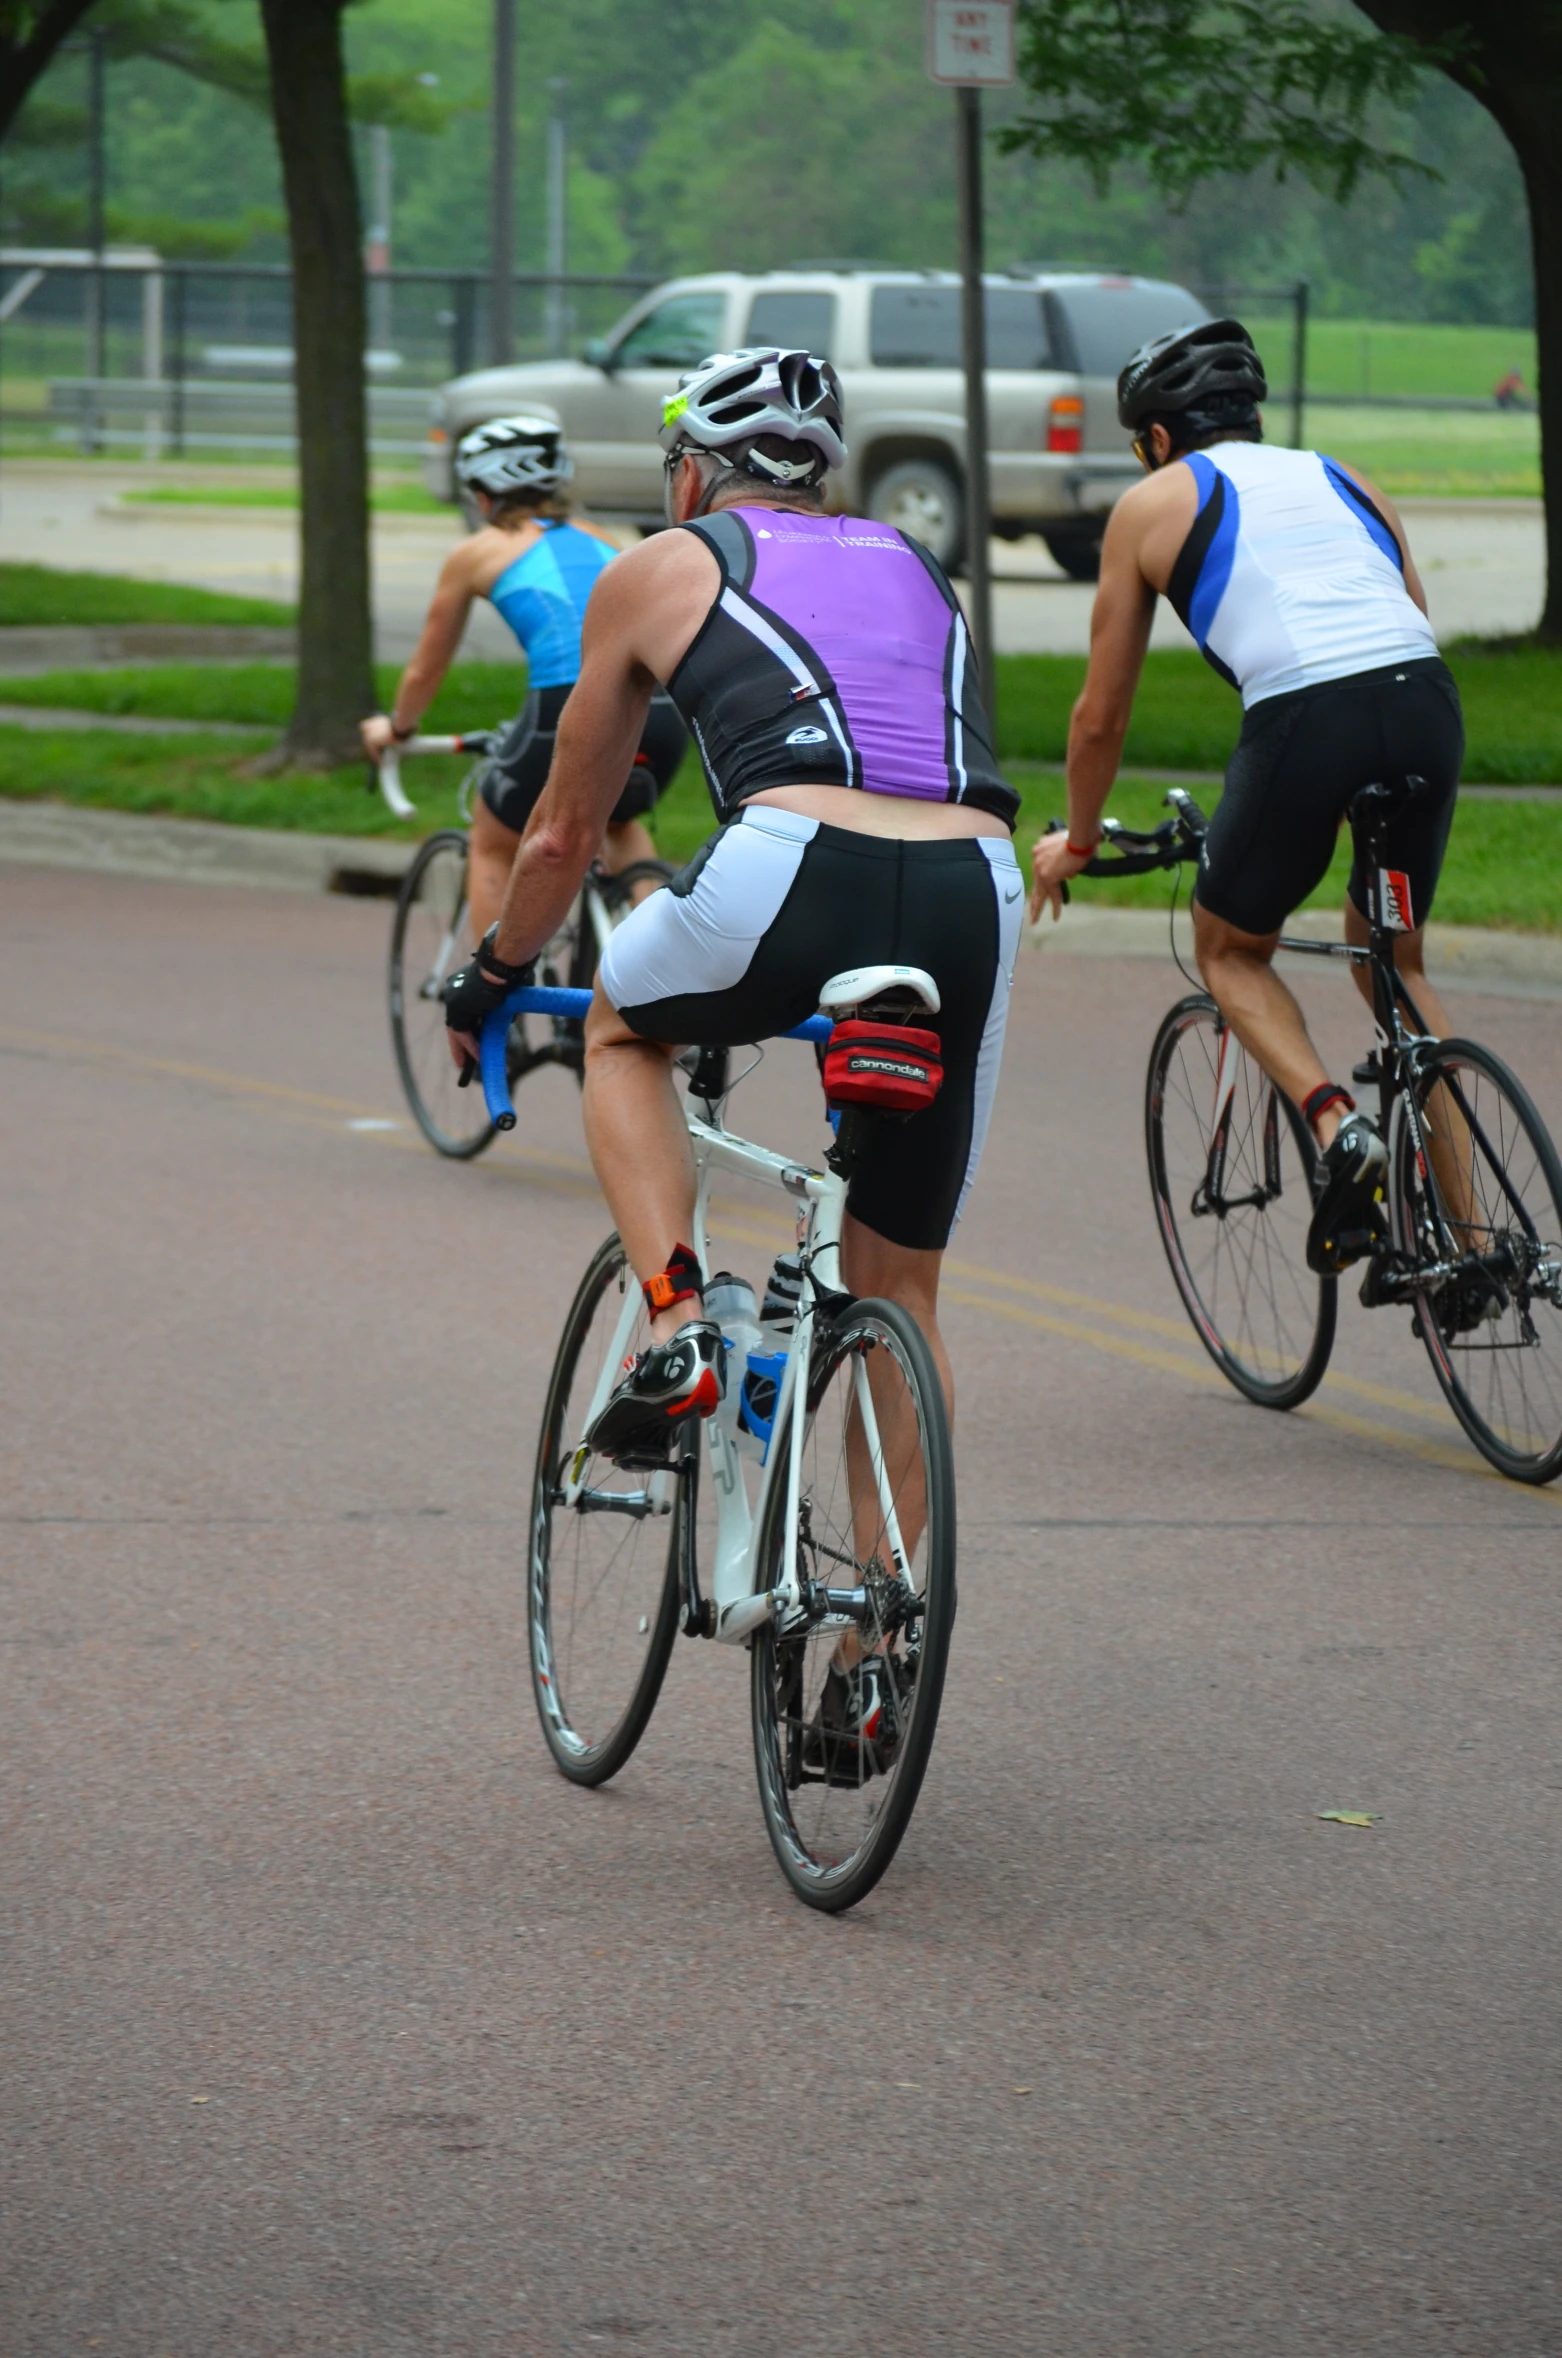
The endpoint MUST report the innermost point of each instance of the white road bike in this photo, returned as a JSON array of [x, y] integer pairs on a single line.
[[431, 938], [832, 1478]]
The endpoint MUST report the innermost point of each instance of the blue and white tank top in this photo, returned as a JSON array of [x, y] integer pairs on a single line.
[[542, 596], [1290, 574]]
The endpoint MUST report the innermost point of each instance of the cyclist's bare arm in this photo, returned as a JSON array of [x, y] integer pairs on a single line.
[[1144, 532], [431, 659], [641, 616]]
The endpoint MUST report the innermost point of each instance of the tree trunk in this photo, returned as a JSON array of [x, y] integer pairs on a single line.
[[335, 625], [1511, 60], [27, 47]]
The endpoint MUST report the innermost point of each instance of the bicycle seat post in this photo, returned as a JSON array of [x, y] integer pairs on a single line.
[[1370, 813]]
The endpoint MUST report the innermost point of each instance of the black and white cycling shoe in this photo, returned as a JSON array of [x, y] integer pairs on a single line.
[[662, 1386], [1348, 1222], [854, 1733]]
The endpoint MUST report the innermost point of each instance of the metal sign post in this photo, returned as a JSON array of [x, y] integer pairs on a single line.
[[970, 45]]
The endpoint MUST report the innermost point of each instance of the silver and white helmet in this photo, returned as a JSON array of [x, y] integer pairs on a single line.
[[513, 454], [735, 399]]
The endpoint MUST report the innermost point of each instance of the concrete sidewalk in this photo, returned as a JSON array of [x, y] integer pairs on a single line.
[[196, 851]]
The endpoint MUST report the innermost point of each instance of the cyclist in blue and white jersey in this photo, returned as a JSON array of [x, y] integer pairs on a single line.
[[536, 564], [1295, 578]]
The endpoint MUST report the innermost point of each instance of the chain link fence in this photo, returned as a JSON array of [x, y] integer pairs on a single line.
[[175, 358]]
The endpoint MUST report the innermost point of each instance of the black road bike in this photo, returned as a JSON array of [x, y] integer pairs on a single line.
[[1470, 1234]]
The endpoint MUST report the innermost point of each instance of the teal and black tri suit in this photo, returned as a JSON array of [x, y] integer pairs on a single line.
[[542, 596]]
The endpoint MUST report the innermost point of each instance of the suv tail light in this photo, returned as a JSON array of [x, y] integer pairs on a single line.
[[1066, 423]]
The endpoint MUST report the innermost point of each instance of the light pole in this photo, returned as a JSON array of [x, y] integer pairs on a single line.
[[558, 213], [970, 44], [501, 229], [378, 243]]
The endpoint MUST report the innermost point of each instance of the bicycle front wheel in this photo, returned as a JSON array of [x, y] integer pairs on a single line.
[[430, 939], [1483, 1209], [873, 1545], [1231, 1176], [603, 1581]]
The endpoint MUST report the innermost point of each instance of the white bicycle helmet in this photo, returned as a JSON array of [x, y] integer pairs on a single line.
[[734, 400], [513, 454]]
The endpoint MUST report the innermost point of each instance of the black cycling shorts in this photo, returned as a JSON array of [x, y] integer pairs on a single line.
[[740, 945], [518, 767], [1298, 763]]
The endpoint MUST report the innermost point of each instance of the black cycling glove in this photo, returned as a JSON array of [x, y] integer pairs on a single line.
[[472, 994]]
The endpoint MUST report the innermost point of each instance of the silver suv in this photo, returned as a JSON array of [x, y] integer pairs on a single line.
[[1055, 342]]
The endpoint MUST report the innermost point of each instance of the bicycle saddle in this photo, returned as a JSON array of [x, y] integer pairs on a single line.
[[1385, 796], [846, 994]]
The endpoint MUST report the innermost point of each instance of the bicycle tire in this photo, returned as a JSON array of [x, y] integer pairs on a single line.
[[599, 1630], [833, 1848], [430, 938], [1488, 1366], [1264, 1318]]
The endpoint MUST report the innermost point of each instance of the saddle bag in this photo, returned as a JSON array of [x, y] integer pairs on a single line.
[[887, 1068]]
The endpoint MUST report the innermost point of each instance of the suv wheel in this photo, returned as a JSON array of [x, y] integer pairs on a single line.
[[1079, 553], [923, 499]]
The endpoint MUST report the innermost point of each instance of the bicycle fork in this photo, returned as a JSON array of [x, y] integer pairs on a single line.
[[1210, 1195]]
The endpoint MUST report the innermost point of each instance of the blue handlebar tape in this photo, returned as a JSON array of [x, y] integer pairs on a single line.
[[541, 999]]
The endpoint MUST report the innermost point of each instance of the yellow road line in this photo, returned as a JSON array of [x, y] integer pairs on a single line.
[[572, 1174]]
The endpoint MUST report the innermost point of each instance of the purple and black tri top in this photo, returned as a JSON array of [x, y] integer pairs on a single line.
[[835, 655]]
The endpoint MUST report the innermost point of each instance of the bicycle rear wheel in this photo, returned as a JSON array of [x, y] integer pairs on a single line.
[[430, 938], [1487, 1199], [1234, 1212], [603, 1579], [836, 1812]]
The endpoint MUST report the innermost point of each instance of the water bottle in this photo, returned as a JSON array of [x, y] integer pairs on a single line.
[[729, 1301]]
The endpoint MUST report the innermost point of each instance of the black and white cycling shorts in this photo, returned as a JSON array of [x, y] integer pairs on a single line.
[[740, 945], [1300, 761], [518, 767]]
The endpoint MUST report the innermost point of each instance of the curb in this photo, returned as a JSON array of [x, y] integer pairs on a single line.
[[198, 851], [1464, 957], [70, 646]]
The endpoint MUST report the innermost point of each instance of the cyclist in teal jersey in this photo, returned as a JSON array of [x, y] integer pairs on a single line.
[[536, 565]]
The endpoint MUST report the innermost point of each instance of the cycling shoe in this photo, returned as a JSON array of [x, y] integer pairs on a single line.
[[856, 1729], [1348, 1222], [683, 1377]]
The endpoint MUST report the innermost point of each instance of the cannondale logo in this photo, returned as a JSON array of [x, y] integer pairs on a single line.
[[809, 736]]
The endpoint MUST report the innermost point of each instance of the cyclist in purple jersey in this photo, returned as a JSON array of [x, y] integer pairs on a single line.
[[823, 667]]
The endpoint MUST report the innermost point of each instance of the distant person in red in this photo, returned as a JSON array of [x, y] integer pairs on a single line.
[[1508, 392]]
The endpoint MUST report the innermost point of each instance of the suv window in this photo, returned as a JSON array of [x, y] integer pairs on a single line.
[[919, 327], [676, 334], [1110, 321], [800, 319]]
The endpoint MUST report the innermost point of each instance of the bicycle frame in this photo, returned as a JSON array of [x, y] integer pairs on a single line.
[[819, 1197]]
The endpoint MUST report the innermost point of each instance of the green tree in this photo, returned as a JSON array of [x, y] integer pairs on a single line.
[[1193, 89], [1510, 60]]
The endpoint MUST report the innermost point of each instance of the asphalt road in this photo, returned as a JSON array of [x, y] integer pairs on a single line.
[[334, 2021], [1483, 560]]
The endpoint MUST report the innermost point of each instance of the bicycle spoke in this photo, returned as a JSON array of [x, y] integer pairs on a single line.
[[1488, 1196], [1239, 1260]]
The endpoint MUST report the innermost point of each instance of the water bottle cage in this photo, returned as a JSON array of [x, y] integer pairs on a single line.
[[886, 1068]]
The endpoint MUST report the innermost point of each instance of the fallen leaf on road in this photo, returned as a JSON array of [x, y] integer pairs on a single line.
[[1349, 1817], [1024, 2091]]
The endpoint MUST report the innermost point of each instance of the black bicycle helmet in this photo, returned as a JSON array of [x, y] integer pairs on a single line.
[[1188, 368]]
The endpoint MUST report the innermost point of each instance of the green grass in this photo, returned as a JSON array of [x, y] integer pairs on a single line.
[[1403, 356], [1504, 864], [401, 499], [1504, 860], [474, 696], [1185, 718], [36, 595], [1427, 453]]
